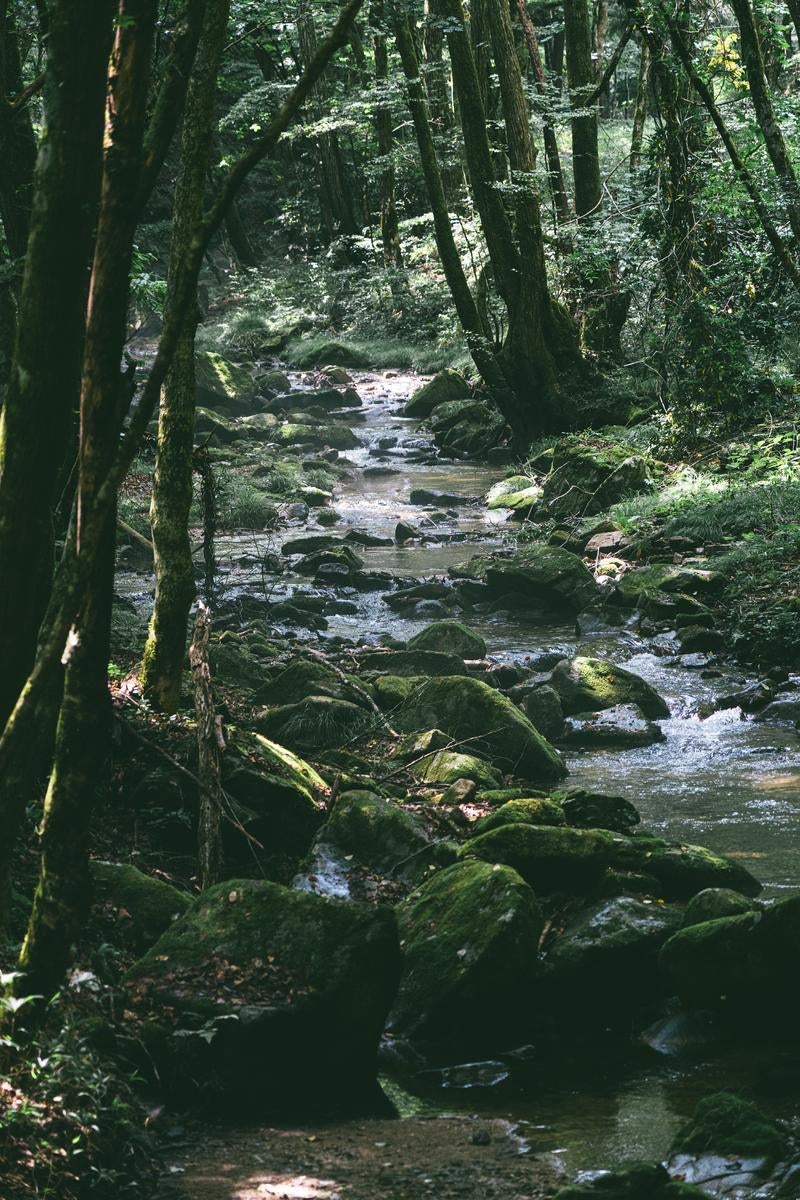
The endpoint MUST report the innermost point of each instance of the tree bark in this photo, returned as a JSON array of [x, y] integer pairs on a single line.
[[555, 173], [390, 228], [162, 667], [17, 140], [210, 745], [750, 45], [63, 892], [580, 74]]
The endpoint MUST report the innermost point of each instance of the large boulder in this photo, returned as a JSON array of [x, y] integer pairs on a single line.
[[447, 385], [268, 998], [550, 858], [143, 907], [447, 766], [624, 727], [595, 810], [377, 834], [305, 677], [518, 493], [276, 796], [683, 870], [607, 954], [449, 637], [412, 662], [470, 936], [743, 962], [472, 712], [223, 386], [312, 723], [588, 476], [547, 576], [592, 684], [638, 586], [467, 427], [638, 1181], [531, 811]]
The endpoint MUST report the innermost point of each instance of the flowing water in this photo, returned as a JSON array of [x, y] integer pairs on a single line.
[[726, 782]]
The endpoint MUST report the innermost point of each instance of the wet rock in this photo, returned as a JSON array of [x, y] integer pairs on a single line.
[[450, 637], [362, 537], [313, 722], [338, 437], [408, 597], [588, 476], [465, 708], [378, 834], [543, 709], [548, 857], [144, 907], [286, 612], [467, 427], [215, 428], [470, 936], [593, 810], [447, 385], [545, 575], [304, 677], [639, 1181], [263, 995], [666, 577], [412, 662], [405, 532], [729, 1128], [782, 708], [259, 426], [592, 684], [328, 516], [273, 382], [425, 496], [713, 903], [339, 555], [461, 791], [607, 954], [693, 638], [498, 796], [681, 1033], [447, 766], [428, 610], [623, 727], [324, 399], [531, 811]]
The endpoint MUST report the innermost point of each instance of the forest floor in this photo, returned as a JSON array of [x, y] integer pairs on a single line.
[[443, 1157]]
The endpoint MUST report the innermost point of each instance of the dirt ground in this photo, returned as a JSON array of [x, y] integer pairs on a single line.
[[449, 1158]]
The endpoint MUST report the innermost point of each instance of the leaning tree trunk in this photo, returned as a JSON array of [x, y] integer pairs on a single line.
[[580, 74], [752, 57], [555, 174], [63, 891], [162, 668]]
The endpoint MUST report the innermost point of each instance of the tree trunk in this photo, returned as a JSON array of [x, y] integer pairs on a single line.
[[390, 228], [17, 140], [162, 668], [580, 73], [42, 395], [337, 198], [642, 104], [63, 893], [555, 174], [210, 745], [750, 45], [599, 35]]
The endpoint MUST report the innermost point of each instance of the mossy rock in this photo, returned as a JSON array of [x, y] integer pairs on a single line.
[[338, 437], [447, 385], [446, 766], [594, 810], [470, 936], [237, 662], [468, 710], [639, 1181], [495, 797], [713, 903], [277, 803], [269, 998], [547, 576], [340, 555], [259, 426], [471, 428], [550, 858], [530, 811], [606, 956], [221, 385], [587, 476], [313, 723], [644, 582], [683, 870], [305, 677], [145, 906], [592, 684], [543, 709], [516, 492], [313, 352], [415, 663], [219, 429], [378, 834], [449, 637], [730, 1127]]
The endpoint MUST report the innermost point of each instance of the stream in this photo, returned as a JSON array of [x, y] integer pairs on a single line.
[[727, 782]]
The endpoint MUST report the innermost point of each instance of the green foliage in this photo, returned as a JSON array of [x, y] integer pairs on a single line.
[[242, 504]]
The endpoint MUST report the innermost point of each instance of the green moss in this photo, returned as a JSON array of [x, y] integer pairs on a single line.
[[450, 637], [548, 857], [592, 684], [470, 935], [683, 870], [378, 833], [147, 906], [447, 766], [525, 812], [447, 385], [639, 1181], [726, 1125]]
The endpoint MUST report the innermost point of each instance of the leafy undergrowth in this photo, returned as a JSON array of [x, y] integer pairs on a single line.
[[70, 1126]]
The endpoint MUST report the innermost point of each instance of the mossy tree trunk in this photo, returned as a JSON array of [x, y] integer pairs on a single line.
[[17, 139], [641, 107], [162, 669], [390, 228], [63, 892], [555, 173], [580, 74]]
